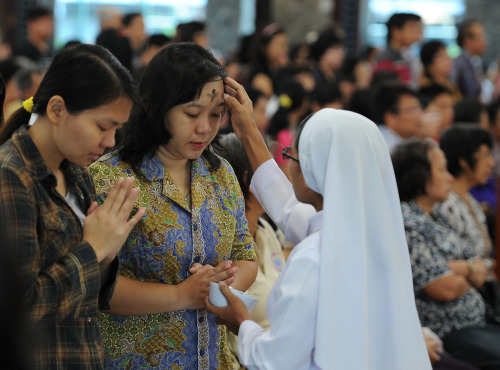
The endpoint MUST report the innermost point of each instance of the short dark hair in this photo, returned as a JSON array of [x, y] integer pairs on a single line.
[[328, 38], [187, 30], [412, 167], [398, 20], [231, 149], [176, 75], [325, 93], [429, 50], [462, 141], [37, 12], [387, 98], [118, 45], [468, 110], [427, 94], [464, 31], [2, 99], [158, 39], [85, 76], [493, 109], [129, 18]]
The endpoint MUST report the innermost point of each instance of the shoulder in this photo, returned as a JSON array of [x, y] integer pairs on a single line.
[[223, 175], [307, 251], [12, 162], [110, 165]]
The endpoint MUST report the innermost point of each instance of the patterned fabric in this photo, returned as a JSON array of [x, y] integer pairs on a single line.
[[161, 249], [432, 243], [59, 273], [459, 217]]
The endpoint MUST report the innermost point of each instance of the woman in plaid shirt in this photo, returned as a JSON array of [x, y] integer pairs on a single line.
[[65, 246]]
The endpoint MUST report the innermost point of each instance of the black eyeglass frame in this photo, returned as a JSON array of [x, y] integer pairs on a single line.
[[286, 155]]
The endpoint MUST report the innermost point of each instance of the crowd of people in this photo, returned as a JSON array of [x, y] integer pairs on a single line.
[[356, 197]]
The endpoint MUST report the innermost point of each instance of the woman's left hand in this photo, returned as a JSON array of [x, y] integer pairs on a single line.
[[233, 314]]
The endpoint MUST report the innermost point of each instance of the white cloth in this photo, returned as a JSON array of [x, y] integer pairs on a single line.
[[275, 193], [365, 310], [291, 309]]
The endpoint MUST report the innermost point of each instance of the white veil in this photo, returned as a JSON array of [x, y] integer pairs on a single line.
[[366, 316]]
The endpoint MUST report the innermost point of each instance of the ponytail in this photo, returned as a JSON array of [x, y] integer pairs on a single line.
[[19, 118]]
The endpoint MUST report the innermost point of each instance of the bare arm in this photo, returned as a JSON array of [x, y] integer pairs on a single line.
[[447, 288], [247, 272], [133, 297]]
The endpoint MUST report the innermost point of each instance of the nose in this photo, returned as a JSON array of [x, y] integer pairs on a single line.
[[108, 140], [203, 126]]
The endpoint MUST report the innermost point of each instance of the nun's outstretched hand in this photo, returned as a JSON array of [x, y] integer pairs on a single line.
[[233, 314]]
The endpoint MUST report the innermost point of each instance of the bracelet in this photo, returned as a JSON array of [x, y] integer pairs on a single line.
[[471, 267]]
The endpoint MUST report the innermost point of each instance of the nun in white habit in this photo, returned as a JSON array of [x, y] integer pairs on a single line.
[[345, 298]]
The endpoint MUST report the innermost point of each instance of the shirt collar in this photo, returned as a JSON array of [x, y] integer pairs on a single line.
[[153, 169]]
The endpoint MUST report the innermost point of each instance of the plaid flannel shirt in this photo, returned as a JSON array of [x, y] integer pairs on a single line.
[[59, 274]]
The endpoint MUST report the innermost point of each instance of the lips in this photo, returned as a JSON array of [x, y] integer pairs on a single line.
[[198, 144]]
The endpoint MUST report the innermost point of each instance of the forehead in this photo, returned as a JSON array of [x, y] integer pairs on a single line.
[[406, 99], [211, 93]]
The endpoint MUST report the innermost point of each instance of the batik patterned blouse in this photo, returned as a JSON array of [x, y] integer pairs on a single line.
[[432, 243], [161, 249]]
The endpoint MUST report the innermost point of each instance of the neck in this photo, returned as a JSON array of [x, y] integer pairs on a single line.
[[425, 203], [461, 186], [171, 163], [396, 45], [40, 133]]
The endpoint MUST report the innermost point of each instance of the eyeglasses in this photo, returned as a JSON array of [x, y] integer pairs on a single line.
[[285, 153]]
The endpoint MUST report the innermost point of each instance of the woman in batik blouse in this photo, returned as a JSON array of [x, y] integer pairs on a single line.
[[195, 230]]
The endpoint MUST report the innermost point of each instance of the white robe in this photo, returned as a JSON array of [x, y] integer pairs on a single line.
[[365, 312]]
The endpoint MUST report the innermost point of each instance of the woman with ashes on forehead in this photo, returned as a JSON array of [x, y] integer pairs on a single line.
[[195, 231]]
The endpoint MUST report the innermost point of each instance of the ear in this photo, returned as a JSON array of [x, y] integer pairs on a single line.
[[55, 109], [465, 166]]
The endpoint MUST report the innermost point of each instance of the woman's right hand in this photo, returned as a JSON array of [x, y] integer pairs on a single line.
[[107, 227], [480, 273], [196, 287]]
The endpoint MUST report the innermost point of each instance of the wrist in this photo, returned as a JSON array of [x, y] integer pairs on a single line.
[[470, 270]]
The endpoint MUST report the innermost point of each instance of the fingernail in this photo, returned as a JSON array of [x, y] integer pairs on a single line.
[[225, 96]]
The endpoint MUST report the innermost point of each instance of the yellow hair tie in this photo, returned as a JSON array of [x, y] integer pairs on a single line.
[[285, 101], [28, 105]]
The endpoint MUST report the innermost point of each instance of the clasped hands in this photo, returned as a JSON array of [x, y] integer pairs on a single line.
[[236, 312]]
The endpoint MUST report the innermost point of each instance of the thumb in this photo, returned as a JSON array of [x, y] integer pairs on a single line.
[[225, 290], [231, 102], [92, 208]]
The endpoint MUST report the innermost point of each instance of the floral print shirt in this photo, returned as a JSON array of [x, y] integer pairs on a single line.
[[162, 247], [432, 243]]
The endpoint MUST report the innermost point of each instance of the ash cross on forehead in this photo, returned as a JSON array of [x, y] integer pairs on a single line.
[[212, 95]]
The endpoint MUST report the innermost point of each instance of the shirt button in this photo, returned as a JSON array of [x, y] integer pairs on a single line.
[[89, 319], [200, 319], [195, 227], [202, 352]]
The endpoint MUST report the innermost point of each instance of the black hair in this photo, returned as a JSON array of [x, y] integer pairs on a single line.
[[118, 45], [462, 141], [387, 98], [493, 109], [176, 75], [129, 18], [291, 95], [399, 20], [8, 69], [429, 50], [299, 130], [36, 13], [468, 110], [325, 93], [328, 38], [231, 148], [254, 94], [2, 99], [412, 167], [188, 30], [464, 31], [427, 94], [158, 39], [85, 76]]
